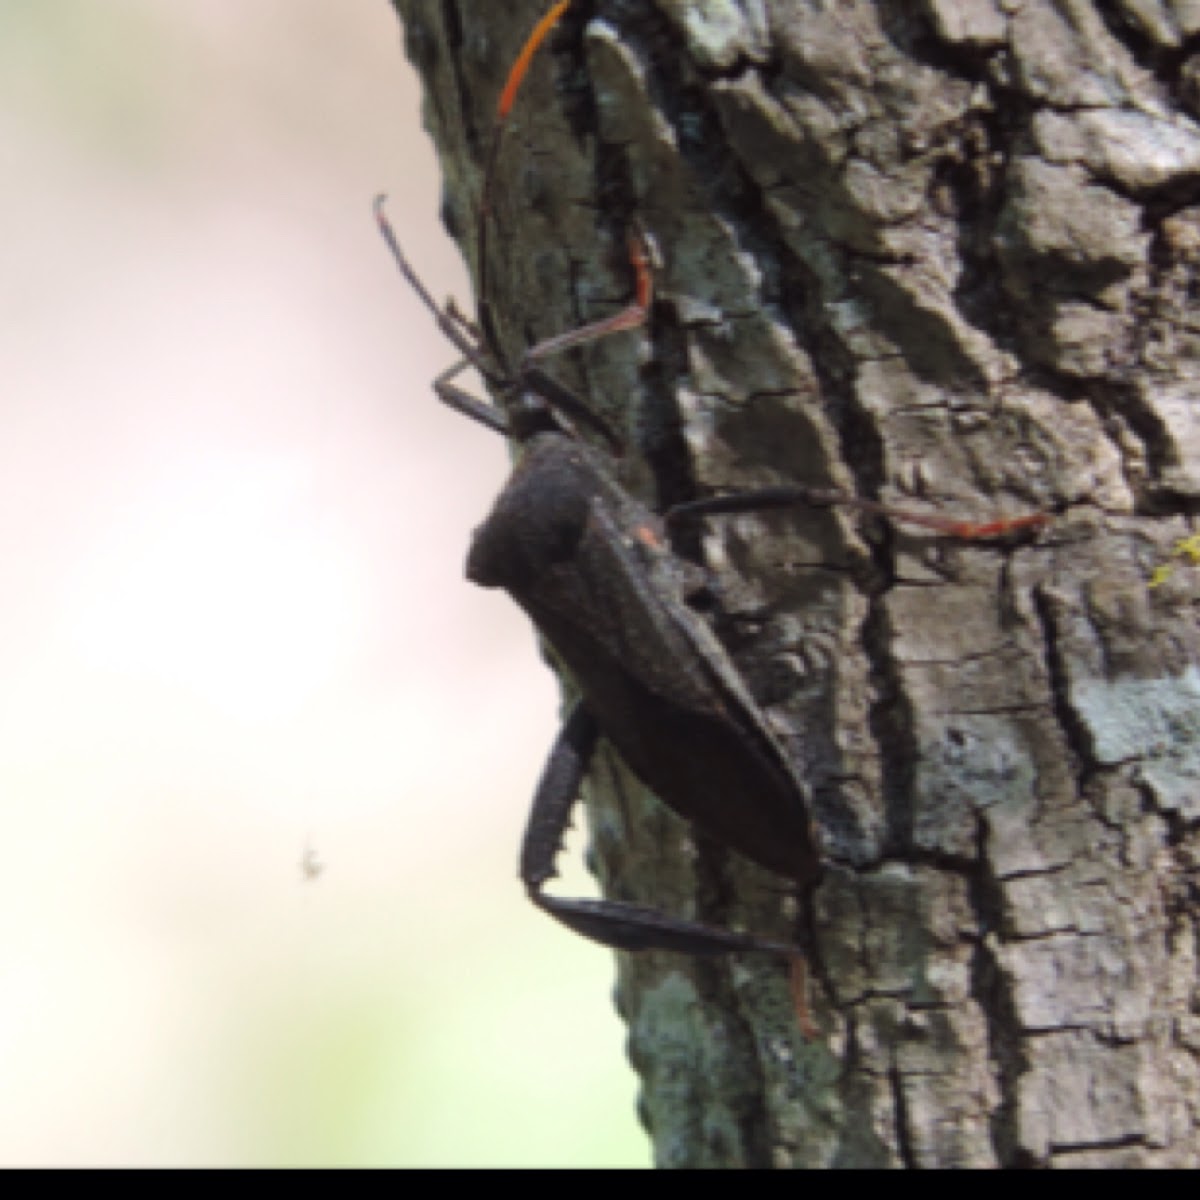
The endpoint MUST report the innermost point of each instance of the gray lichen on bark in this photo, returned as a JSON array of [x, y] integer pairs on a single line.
[[942, 253]]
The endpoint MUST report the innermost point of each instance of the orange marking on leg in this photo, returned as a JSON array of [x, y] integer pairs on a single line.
[[798, 983], [991, 529], [639, 258], [648, 537]]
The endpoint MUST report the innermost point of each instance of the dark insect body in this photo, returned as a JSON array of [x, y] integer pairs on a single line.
[[592, 567]]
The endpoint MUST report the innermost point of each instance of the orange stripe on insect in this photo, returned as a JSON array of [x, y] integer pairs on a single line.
[[647, 536], [521, 67]]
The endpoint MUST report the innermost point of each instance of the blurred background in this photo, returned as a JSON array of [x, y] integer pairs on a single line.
[[235, 636]]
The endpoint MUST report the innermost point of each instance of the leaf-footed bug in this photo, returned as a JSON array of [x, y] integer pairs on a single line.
[[592, 567]]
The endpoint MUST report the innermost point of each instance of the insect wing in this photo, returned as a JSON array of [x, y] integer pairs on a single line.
[[659, 684]]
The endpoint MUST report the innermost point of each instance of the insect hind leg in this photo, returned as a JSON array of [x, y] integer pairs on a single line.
[[613, 923]]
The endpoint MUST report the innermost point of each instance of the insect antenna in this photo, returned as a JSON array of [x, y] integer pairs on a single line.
[[508, 96], [476, 340]]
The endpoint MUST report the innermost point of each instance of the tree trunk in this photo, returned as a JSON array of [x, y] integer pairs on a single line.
[[939, 253]]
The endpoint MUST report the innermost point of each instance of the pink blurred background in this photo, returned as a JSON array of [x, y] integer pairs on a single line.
[[233, 624]]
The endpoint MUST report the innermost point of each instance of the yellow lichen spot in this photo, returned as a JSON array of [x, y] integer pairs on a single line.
[[1189, 547], [1160, 575]]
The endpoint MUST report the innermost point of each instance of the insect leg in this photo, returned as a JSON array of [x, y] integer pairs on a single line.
[[463, 402], [789, 497], [610, 922], [457, 329], [460, 331], [532, 378], [630, 317]]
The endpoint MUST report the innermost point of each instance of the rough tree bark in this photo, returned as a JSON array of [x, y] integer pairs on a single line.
[[942, 252]]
